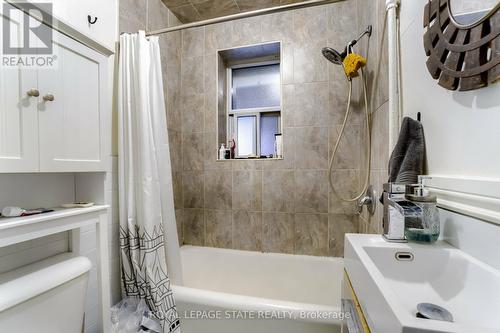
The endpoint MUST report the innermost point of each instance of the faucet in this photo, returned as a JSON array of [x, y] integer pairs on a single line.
[[394, 214]]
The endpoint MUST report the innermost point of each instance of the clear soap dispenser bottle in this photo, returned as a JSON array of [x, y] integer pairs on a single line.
[[427, 228]]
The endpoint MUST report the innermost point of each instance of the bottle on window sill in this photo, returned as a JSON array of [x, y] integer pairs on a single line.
[[222, 152]]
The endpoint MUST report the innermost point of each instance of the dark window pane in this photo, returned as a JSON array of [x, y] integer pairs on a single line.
[[269, 126]]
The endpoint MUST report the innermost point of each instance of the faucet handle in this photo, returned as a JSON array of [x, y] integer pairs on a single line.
[[369, 200]]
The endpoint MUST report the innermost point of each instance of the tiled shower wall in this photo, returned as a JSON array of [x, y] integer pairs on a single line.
[[373, 12], [272, 206]]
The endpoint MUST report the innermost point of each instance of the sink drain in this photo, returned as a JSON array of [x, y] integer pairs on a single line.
[[433, 311]]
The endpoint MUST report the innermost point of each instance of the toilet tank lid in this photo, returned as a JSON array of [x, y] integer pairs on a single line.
[[29, 281]]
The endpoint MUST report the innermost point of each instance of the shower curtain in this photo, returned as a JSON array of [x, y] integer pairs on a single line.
[[148, 232]]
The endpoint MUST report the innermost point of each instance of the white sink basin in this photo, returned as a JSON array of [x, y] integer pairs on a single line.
[[389, 289]]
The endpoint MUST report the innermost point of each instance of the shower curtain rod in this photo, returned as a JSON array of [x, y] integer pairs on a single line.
[[303, 4]]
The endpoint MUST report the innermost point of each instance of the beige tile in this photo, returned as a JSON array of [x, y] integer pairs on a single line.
[[218, 228], [177, 188], [179, 224], [349, 149], [186, 13], [346, 183], [193, 226], [173, 20], [338, 226], [343, 23], [278, 232], [311, 191], [217, 37], [247, 230], [157, 15], [278, 26], [310, 24], [311, 104], [277, 191], [193, 151], [175, 3], [192, 79], [192, 189], [248, 5], [132, 15], [193, 113], [173, 97], [289, 105], [247, 190], [311, 234], [214, 8], [338, 94], [175, 145], [218, 189], [287, 63], [246, 164], [210, 112], [309, 65], [311, 148], [246, 31], [193, 40]]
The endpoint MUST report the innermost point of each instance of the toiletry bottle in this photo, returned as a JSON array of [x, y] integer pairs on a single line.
[[428, 228], [222, 152], [278, 145]]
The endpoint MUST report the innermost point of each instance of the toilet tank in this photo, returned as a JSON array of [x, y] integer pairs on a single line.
[[45, 297]]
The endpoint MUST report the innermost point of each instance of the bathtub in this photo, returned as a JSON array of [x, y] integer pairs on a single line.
[[230, 291]]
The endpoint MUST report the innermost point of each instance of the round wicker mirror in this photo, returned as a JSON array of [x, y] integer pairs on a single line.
[[462, 55]]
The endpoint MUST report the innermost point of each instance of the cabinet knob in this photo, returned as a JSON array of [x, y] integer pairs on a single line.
[[33, 93], [48, 98]]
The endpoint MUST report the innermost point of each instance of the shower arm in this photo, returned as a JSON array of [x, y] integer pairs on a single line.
[[368, 31]]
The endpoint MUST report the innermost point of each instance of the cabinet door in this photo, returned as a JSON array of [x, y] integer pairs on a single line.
[[72, 108], [18, 110]]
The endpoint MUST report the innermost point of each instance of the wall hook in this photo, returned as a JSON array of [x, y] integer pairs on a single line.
[[89, 18]]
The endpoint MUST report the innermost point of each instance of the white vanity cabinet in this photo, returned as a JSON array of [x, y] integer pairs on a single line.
[[72, 109], [54, 119]]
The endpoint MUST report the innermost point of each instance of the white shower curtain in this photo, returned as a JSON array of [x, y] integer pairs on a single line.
[[148, 232]]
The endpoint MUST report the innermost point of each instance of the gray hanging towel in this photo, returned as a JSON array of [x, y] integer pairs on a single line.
[[407, 158]]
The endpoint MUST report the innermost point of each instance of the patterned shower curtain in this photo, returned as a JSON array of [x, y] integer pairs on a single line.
[[147, 216]]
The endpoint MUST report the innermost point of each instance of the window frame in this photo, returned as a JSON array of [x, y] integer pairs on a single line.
[[234, 114]]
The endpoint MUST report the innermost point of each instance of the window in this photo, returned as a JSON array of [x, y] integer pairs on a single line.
[[254, 108]]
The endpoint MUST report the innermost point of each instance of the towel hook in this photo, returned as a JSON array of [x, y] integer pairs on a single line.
[[89, 18], [419, 116]]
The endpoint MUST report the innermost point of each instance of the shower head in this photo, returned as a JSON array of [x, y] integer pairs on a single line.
[[333, 55]]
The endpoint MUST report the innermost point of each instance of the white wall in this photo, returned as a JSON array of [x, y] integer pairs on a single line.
[[461, 128]]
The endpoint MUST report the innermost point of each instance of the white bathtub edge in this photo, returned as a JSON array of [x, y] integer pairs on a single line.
[[301, 311]]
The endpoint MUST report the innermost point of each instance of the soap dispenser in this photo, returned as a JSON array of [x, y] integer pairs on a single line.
[[426, 228]]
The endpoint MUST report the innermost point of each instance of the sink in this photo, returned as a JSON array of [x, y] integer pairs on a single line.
[[391, 279]]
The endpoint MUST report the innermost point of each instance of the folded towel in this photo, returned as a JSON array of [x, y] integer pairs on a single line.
[[407, 158]]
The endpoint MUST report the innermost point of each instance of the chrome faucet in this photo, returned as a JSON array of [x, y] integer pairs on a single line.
[[394, 215]]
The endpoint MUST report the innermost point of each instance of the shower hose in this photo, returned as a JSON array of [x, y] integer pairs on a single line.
[[360, 194]]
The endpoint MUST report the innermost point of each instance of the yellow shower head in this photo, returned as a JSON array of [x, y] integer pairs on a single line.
[[352, 63]]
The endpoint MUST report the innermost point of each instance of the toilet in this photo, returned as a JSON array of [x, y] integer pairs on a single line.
[[45, 297]]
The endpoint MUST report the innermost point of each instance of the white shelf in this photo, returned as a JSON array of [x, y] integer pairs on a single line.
[[58, 213]]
